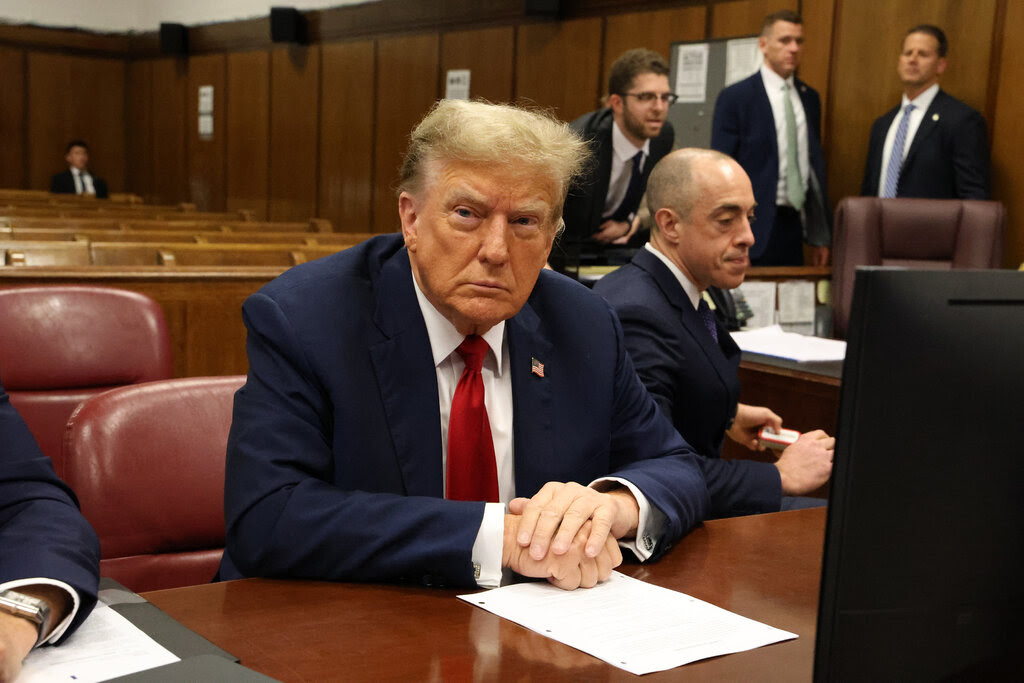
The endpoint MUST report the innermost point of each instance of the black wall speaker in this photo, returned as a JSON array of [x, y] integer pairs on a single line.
[[287, 25], [173, 39], [543, 8]]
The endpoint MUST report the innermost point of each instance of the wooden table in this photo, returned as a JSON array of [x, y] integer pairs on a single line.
[[765, 567]]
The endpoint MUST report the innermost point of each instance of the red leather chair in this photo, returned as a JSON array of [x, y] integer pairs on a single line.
[[913, 233], [147, 463], [62, 344]]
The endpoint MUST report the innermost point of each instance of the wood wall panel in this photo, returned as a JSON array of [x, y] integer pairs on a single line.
[[247, 132], [744, 17], [294, 109], [72, 97], [558, 65], [346, 135], [206, 157], [167, 158], [407, 86], [488, 53], [864, 84], [12, 118], [139, 119], [654, 30], [818, 16], [1007, 133]]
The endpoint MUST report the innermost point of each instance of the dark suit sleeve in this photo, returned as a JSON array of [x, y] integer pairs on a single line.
[[42, 532], [970, 158], [736, 487], [725, 123], [289, 513]]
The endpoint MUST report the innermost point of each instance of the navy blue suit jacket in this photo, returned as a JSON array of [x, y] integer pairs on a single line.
[[334, 457], [948, 157], [42, 533], [744, 128], [64, 183], [692, 378]]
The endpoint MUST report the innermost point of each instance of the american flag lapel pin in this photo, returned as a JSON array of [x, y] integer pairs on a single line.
[[536, 367]]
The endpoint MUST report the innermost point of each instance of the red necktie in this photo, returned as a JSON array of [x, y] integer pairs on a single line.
[[472, 474]]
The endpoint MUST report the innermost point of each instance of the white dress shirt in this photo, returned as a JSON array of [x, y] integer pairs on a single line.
[[83, 181], [921, 104], [623, 152], [773, 83], [59, 629], [497, 379], [692, 293]]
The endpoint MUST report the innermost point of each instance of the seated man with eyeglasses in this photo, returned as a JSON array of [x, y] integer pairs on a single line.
[[626, 140]]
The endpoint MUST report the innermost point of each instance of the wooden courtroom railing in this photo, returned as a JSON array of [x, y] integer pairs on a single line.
[[195, 237], [317, 225]]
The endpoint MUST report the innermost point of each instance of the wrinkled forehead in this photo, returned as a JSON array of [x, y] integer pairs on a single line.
[[491, 180]]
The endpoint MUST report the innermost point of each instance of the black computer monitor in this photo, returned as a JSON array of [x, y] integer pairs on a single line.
[[923, 573]]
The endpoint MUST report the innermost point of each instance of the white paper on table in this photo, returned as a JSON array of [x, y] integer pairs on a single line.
[[629, 623], [773, 341], [105, 646], [760, 297]]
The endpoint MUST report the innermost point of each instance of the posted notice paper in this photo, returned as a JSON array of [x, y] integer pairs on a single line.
[[629, 623]]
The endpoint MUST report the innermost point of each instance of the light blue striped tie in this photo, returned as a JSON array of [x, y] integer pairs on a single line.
[[892, 171]]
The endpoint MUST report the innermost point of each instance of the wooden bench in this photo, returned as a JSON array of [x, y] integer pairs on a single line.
[[184, 254], [315, 225], [18, 253]]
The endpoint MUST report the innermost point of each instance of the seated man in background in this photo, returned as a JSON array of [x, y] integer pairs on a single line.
[[357, 452], [702, 204], [49, 555], [77, 179]]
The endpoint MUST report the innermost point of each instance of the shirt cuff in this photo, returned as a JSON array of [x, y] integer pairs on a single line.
[[59, 629], [488, 546], [651, 520]]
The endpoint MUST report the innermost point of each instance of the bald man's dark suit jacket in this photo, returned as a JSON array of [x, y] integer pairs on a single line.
[[42, 533], [948, 157], [584, 204], [743, 127], [64, 183], [692, 378], [334, 467]]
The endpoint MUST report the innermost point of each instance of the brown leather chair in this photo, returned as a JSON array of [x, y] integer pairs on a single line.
[[147, 463], [62, 344], [913, 233]]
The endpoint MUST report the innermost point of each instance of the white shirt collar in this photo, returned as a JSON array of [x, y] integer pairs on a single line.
[[444, 338], [692, 293], [922, 101], [623, 148], [773, 81]]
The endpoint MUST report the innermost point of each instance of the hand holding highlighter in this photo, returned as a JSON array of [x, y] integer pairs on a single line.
[[769, 438]]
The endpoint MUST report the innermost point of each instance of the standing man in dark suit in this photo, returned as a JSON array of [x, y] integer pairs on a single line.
[[77, 179], [435, 407], [771, 124], [938, 146], [702, 205], [49, 555], [626, 140]]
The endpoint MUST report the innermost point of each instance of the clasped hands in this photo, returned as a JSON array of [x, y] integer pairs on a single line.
[[567, 533]]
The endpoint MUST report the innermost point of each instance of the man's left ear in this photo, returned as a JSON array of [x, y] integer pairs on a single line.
[[407, 213]]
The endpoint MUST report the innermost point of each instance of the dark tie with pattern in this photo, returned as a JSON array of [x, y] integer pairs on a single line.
[[709, 319], [895, 165], [634, 193], [471, 472]]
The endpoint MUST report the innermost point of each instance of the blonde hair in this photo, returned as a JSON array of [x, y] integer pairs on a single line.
[[480, 132]]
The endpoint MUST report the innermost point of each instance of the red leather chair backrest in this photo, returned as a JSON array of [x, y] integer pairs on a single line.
[[61, 344], [914, 233], [147, 463]]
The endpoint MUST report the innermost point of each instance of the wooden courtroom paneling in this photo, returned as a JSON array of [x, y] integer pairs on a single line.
[[139, 138], [206, 157], [818, 18], [1007, 132], [248, 131], [407, 86], [70, 97], [12, 118], [294, 110], [168, 159], [489, 55], [654, 30], [346, 135], [864, 81], [744, 17], [558, 64]]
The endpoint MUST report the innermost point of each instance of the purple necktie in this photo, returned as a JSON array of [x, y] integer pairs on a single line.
[[709, 319]]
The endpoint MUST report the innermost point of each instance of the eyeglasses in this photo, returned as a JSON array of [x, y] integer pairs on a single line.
[[649, 97]]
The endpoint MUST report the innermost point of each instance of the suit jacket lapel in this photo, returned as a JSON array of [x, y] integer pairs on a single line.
[[407, 380], [533, 411], [691, 320], [929, 124]]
